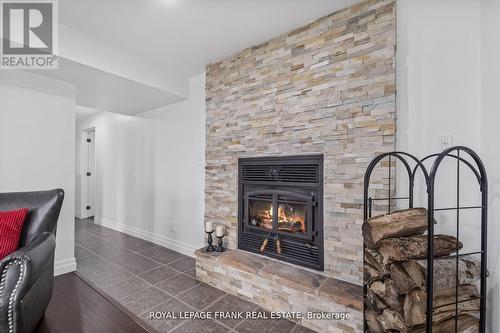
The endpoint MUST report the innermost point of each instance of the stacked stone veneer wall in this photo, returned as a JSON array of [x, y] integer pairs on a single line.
[[329, 88]]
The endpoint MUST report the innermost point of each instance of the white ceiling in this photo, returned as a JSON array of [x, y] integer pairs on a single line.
[[182, 36], [105, 91], [82, 112]]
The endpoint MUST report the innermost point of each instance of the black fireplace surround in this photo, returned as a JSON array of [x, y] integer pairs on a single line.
[[281, 198]]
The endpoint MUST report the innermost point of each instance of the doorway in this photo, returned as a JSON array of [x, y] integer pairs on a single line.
[[87, 172]]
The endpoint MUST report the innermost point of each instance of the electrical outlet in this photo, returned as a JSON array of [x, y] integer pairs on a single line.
[[172, 226], [446, 141]]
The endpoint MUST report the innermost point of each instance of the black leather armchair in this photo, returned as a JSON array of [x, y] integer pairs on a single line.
[[27, 275]]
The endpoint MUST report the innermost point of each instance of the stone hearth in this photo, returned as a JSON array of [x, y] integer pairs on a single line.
[[278, 286]]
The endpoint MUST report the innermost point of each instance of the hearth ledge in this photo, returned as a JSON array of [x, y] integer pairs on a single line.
[[279, 286]]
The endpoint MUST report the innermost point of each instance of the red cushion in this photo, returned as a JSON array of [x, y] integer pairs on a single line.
[[11, 225]]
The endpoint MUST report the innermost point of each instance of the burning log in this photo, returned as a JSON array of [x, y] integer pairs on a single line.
[[290, 226]]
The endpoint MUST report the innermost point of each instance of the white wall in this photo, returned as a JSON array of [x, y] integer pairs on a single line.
[[438, 82], [438, 73], [490, 140], [178, 137], [150, 171], [37, 148], [447, 73]]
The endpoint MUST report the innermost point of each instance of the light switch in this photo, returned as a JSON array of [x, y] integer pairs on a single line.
[[446, 141]]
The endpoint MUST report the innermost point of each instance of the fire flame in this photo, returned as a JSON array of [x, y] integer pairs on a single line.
[[286, 222]]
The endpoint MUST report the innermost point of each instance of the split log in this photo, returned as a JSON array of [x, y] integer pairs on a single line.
[[402, 280], [470, 307], [392, 320], [394, 300], [469, 272], [415, 247], [371, 274], [374, 259], [406, 222], [416, 272], [378, 287], [466, 324], [387, 291], [374, 302], [415, 304], [372, 322]]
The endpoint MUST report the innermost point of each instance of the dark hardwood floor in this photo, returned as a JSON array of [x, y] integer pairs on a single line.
[[76, 307]]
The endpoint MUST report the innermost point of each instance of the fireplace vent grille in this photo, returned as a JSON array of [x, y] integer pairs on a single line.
[[300, 173]]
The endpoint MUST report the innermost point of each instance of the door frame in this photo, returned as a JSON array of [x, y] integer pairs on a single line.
[[82, 136]]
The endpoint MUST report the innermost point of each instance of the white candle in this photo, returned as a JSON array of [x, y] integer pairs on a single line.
[[209, 227], [219, 231]]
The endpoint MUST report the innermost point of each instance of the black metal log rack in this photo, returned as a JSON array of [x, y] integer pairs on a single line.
[[412, 166]]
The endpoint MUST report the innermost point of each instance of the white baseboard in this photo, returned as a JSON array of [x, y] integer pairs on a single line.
[[64, 266], [173, 244], [78, 214]]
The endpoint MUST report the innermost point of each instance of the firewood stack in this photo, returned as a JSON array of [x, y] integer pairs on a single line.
[[395, 270]]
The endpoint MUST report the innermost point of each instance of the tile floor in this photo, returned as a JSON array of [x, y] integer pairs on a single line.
[[145, 277]]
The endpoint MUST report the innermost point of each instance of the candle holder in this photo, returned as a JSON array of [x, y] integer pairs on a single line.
[[210, 247], [220, 248]]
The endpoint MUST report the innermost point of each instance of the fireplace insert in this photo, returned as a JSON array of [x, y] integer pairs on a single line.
[[281, 208]]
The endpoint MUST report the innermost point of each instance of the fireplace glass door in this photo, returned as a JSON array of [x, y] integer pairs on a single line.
[[260, 211], [292, 216], [280, 212]]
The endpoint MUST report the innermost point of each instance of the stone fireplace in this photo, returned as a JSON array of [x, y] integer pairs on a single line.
[[280, 208], [326, 89]]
